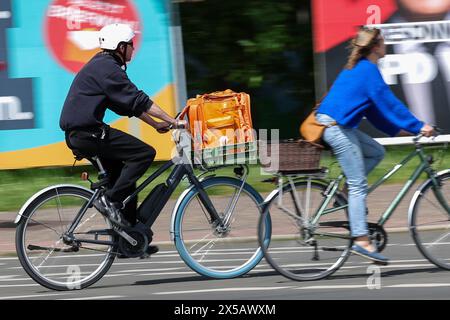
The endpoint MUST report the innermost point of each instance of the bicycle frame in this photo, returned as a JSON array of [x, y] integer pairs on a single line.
[[179, 172], [424, 166]]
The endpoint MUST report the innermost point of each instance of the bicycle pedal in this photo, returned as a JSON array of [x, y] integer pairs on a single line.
[[127, 237]]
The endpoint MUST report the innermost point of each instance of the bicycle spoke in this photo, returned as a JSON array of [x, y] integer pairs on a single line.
[[51, 251], [438, 239], [87, 220], [439, 208], [199, 241], [45, 225], [59, 208], [203, 209], [209, 245]]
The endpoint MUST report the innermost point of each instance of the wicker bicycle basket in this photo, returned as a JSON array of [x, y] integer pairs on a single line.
[[290, 156]]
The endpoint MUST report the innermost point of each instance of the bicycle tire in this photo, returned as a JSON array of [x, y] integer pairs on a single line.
[[287, 252], [193, 235], [40, 209], [428, 218]]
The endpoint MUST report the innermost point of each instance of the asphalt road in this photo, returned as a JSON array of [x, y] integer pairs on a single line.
[[166, 277]]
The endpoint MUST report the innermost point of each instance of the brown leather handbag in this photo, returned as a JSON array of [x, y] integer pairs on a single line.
[[311, 130]]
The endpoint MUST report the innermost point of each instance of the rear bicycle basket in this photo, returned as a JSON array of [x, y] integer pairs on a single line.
[[290, 156]]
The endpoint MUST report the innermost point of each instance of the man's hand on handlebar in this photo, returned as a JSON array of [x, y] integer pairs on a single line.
[[178, 124], [427, 130], [162, 127]]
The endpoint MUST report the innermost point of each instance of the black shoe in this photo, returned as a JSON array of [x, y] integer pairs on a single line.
[[109, 210], [150, 250], [101, 205]]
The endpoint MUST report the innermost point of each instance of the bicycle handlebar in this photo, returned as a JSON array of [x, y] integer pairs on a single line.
[[437, 132], [171, 126]]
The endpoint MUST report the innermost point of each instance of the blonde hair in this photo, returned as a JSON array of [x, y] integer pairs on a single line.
[[362, 45]]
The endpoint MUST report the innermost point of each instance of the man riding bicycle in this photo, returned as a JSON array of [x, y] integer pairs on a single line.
[[103, 84]]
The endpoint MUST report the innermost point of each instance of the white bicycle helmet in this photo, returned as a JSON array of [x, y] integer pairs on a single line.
[[111, 35]]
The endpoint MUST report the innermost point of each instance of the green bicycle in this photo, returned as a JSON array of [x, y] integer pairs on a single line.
[[310, 233]]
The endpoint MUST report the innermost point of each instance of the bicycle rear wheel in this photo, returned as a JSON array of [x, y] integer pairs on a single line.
[[430, 222], [298, 249], [42, 251], [211, 250]]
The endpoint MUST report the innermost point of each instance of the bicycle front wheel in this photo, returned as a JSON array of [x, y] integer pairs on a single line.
[[430, 222], [300, 248], [216, 251], [41, 248]]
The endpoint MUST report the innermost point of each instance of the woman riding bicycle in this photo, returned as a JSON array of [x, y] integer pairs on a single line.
[[360, 91], [103, 83]]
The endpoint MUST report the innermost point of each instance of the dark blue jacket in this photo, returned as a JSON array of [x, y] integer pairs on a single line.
[[101, 84], [362, 92]]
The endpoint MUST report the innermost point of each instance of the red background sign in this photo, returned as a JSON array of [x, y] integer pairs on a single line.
[[71, 25], [336, 21]]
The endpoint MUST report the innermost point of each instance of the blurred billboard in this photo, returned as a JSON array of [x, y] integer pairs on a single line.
[[44, 43], [417, 63]]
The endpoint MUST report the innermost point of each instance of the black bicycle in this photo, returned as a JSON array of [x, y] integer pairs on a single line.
[[64, 243]]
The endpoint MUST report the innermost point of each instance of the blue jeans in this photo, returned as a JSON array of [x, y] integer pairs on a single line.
[[357, 154]]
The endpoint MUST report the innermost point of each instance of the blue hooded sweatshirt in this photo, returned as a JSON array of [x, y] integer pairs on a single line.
[[361, 92]]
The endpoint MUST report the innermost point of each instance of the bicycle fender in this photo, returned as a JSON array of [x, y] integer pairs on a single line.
[[418, 192], [41, 192], [443, 172]]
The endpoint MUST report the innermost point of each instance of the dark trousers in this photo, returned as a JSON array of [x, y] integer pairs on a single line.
[[124, 157]]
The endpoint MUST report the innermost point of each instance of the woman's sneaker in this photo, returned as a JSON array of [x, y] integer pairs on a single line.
[[374, 256]]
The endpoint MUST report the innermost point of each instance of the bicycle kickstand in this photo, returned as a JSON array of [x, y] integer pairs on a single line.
[[316, 252]]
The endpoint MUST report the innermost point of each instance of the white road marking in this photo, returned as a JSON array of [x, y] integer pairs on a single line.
[[222, 290], [95, 298], [418, 285], [356, 286], [19, 285], [6, 277], [149, 270], [15, 279], [118, 275], [33, 296], [344, 286], [168, 273]]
